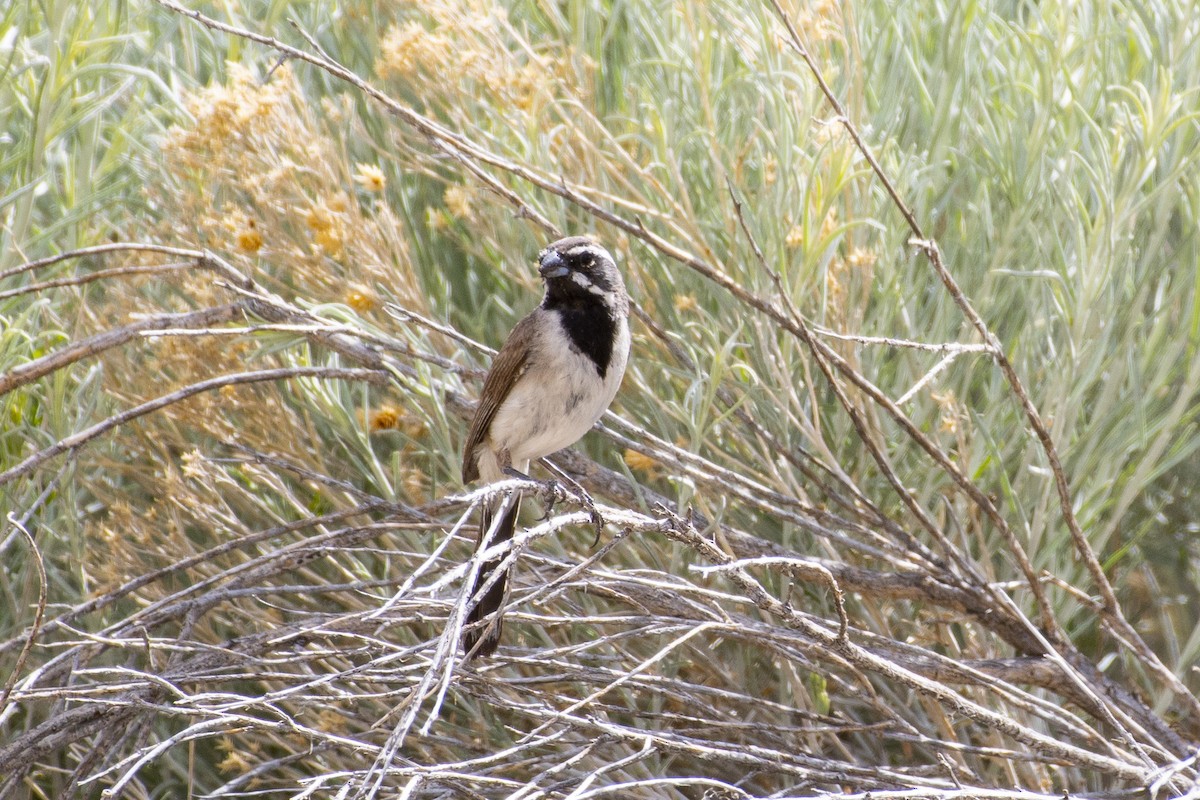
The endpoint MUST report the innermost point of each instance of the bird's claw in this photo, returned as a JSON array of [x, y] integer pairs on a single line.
[[593, 513], [550, 492]]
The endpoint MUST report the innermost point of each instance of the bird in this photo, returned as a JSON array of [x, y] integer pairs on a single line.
[[552, 380]]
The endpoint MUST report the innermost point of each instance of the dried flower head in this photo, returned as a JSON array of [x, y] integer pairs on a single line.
[[458, 202], [640, 462], [820, 21], [385, 418], [770, 169], [249, 240], [411, 48], [794, 238], [686, 303], [361, 299], [860, 258], [370, 177]]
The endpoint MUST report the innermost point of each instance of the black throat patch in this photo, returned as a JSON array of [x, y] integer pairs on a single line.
[[590, 326]]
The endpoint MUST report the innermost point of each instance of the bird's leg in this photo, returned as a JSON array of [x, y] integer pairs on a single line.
[[505, 459], [585, 499], [513, 472], [549, 492]]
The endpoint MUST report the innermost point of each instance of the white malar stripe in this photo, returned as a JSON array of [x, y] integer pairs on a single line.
[[582, 281]]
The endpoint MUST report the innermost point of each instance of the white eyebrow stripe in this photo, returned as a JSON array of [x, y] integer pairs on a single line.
[[580, 249]]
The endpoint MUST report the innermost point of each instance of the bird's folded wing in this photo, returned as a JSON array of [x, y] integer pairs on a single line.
[[506, 369]]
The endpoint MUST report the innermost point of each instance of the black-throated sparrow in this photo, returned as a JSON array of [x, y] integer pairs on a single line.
[[551, 381]]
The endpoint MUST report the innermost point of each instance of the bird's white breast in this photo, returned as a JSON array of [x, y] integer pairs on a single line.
[[552, 405]]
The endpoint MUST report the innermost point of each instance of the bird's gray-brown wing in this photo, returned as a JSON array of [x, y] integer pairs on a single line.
[[506, 368]]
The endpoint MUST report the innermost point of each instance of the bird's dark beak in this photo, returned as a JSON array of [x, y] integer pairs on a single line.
[[551, 266]]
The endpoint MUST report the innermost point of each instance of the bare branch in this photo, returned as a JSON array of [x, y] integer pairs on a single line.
[[77, 440], [107, 340], [35, 629]]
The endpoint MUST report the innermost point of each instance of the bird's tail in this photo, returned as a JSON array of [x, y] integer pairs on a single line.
[[484, 623]]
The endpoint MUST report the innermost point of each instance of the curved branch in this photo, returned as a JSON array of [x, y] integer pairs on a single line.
[[94, 345], [77, 440]]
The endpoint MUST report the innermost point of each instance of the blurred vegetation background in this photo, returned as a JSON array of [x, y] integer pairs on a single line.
[[1051, 148]]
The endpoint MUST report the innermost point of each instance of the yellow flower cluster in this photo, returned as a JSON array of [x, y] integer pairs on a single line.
[[259, 173], [817, 21], [361, 299], [458, 201], [470, 40], [388, 417], [329, 221], [239, 110], [410, 49], [370, 178], [640, 462], [794, 238], [249, 239]]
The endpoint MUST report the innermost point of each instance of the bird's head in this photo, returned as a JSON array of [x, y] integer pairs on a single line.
[[577, 270]]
